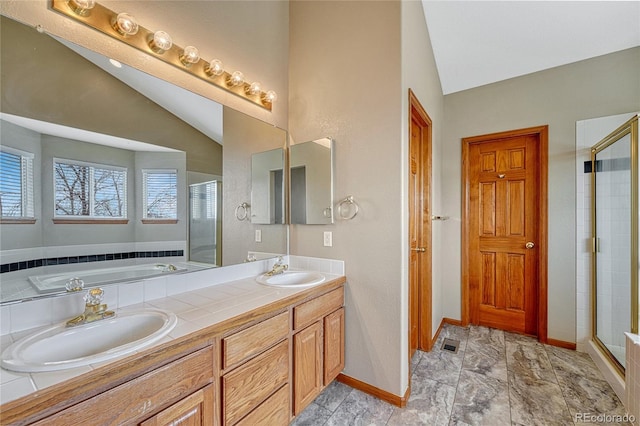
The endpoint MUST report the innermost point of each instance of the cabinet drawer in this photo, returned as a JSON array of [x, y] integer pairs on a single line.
[[141, 397], [253, 340], [273, 412], [308, 312], [249, 385]]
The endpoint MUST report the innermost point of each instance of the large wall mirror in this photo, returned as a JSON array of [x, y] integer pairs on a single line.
[[121, 168]]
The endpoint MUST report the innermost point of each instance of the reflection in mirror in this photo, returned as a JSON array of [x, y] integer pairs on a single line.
[[311, 174], [267, 187], [61, 108]]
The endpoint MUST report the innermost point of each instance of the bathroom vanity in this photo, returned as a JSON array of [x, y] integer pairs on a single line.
[[258, 366]]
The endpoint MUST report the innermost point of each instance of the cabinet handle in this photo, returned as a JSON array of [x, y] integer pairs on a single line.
[[419, 249]]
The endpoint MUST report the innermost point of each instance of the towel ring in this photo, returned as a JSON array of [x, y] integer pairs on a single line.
[[348, 208], [242, 211]]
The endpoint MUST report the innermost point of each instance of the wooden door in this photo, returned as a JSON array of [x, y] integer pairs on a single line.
[[333, 359], [503, 232], [419, 227], [307, 366]]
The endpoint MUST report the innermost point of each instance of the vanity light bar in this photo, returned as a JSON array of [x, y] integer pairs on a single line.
[[160, 46]]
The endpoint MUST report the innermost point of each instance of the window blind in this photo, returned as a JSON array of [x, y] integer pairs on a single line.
[[160, 194]]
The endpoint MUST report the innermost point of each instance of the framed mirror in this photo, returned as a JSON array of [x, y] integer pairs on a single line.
[[67, 106], [311, 182]]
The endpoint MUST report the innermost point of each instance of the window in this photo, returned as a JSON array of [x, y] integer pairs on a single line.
[[16, 183], [160, 194], [89, 190]]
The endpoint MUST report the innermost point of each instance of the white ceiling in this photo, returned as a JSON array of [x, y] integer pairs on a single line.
[[481, 42]]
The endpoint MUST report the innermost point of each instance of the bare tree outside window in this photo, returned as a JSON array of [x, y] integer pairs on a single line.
[[83, 190]]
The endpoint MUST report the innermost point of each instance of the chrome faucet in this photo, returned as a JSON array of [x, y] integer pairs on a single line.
[[278, 268], [94, 309]]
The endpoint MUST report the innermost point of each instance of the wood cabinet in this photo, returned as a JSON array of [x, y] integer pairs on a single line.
[[333, 345], [318, 346], [307, 366], [138, 399], [256, 361], [194, 410], [259, 368]]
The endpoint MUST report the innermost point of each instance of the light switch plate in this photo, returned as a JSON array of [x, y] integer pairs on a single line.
[[328, 239], [258, 235]]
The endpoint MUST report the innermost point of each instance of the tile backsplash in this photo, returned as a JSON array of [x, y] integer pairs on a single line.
[[40, 312]]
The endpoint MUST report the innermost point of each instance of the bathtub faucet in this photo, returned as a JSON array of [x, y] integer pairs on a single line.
[[278, 268], [94, 309]]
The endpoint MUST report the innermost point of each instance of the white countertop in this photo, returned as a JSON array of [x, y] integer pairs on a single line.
[[195, 310]]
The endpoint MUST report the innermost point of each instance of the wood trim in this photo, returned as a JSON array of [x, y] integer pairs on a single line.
[[398, 401], [425, 290], [159, 221], [17, 221], [561, 344], [542, 132], [444, 321], [59, 221]]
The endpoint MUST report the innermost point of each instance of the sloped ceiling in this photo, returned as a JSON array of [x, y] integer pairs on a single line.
[[481, 42]]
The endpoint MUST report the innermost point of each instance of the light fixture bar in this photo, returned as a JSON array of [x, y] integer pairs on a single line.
[[101, 18]]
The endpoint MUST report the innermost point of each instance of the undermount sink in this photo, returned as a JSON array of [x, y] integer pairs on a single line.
[[292, 279], [59, 347]]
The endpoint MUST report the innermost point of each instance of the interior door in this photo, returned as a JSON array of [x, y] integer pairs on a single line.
[[419, 227], [503, 214]]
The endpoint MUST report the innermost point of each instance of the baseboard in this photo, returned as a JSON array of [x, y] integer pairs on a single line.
[[442, 323], [399, 401], [451, 321], [561, 344]]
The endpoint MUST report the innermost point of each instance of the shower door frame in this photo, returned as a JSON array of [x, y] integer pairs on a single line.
[[628, 128]]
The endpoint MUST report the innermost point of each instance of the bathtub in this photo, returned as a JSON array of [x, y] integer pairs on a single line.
[[93, 277]]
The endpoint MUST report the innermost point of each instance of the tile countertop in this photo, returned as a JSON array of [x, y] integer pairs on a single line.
[[195, 310]]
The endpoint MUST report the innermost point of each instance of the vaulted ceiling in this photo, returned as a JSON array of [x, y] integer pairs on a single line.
[[481, 42]]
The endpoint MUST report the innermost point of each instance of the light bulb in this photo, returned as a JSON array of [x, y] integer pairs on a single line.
[[81, 7], [236, 79], [214, 68], [270, 97], [254, 89], [190, 55], [125, 24], [160, 42]]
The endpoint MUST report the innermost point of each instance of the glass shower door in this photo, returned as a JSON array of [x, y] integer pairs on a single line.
[[615, 241]]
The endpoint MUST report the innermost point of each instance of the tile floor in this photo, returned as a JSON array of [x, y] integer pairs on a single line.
[[496, 378]]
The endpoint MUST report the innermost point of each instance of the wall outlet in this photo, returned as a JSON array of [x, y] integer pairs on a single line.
[[258, 235], [328, 238]]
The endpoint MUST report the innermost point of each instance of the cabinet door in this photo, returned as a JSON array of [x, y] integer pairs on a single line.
[[333, 345], [194, 410], [307, 366]]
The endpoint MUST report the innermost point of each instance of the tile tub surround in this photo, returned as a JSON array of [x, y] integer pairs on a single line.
[[495, 378], [632, 376], [197, 298]]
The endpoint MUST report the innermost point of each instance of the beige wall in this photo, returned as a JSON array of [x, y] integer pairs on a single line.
[[250, 36], [558, 97], [351, 64]]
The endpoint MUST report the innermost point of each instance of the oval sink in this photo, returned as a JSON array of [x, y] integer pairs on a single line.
[[292, 279], [59, 347]]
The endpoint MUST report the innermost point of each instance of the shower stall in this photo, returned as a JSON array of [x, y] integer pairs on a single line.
[[614, 209], [205, 224]]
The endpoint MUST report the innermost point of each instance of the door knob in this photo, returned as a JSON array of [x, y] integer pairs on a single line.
[[419, 249], [529, 245]]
